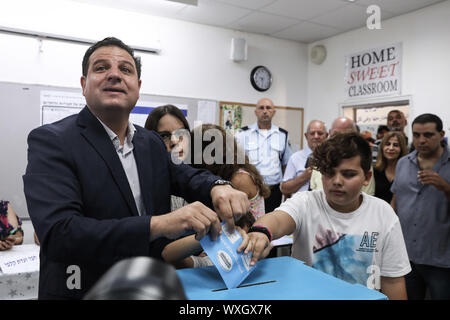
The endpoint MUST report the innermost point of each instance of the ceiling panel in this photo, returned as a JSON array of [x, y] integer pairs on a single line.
[[345, 18], [264, 23], [399, 6], [303, 9], [298, 20], [249, 4], [212, 13], [307, 32], [154, 7]]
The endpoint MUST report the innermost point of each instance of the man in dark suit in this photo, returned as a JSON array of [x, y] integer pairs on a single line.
[[98, 188]]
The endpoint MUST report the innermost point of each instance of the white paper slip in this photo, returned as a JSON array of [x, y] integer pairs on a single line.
[[19, 259]]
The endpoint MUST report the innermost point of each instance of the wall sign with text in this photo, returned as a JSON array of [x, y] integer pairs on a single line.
[[374, 72]]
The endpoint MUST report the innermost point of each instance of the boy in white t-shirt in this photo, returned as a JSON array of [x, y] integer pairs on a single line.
[[340, 230]]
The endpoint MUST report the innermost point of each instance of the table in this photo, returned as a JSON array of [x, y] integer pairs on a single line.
[[281, 278], [282, 246], [283, 241], [19, 282]]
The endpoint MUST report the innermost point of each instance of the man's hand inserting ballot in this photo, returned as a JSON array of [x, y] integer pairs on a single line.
[[230, 204], [194, 217]]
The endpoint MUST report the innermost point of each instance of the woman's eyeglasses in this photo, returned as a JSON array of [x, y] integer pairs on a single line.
[[167, 136]]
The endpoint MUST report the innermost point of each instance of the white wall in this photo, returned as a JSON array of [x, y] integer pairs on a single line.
[[194, 60], [426, 64]]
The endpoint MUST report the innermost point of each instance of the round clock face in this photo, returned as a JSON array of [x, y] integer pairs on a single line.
[[261, 78]]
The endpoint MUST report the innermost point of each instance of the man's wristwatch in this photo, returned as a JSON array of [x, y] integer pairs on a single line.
[[222, 182], [261, 229]]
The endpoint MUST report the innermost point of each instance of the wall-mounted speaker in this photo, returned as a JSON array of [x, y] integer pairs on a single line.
[[238, 49], [318, 54]]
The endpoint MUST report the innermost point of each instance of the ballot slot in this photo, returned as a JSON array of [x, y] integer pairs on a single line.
[[247, 285]]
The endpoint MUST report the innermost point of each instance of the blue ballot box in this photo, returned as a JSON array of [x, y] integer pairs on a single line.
[[282, 278]]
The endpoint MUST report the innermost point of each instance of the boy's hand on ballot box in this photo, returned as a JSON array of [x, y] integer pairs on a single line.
[[260, 246]]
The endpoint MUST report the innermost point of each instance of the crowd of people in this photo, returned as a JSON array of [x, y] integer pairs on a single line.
[[100, 189]]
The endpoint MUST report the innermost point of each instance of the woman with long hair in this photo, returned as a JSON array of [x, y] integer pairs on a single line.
[[171, 125], [391, 149]]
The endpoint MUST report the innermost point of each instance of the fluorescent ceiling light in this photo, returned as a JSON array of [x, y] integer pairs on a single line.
[[52, 36], [191, 2]]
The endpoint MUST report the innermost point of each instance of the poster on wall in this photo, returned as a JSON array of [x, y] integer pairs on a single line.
[[56, 105], [206, 111], [374, 72], [231, 117]]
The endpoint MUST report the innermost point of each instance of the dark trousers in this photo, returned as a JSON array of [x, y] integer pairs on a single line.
[[421, 277], [274, 201]]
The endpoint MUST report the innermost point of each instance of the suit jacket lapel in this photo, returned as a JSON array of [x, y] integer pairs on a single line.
[[143, 159], [94, 132]]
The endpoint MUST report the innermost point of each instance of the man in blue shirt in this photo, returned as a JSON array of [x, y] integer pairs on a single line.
[[421, 199], [298, 172], [267, 148]]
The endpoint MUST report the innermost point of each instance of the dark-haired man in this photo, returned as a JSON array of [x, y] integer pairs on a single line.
[[340, 230], [98, 188], [421, 198], [381, 131]]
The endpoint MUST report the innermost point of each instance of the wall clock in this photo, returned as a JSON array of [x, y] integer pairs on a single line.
[[261, 78]]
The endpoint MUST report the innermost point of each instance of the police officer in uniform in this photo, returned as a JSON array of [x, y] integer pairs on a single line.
[[267, 148]]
